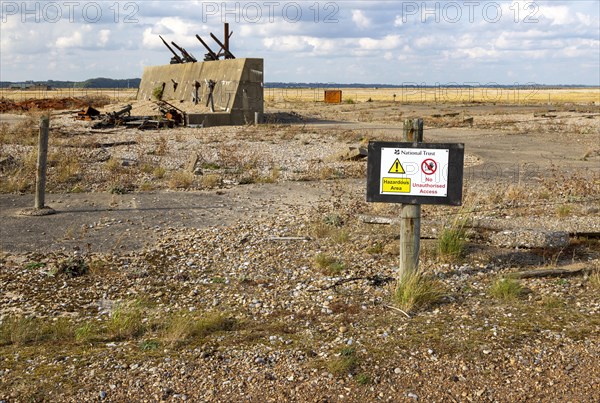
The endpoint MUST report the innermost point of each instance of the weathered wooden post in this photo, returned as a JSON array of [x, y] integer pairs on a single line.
[[40, 208], [410, 214], [40, 178]]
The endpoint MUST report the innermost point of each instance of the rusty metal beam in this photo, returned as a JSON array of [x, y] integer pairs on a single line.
[[228, 54], [210, 52]]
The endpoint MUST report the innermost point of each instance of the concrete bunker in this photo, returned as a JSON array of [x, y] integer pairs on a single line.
[[212, 92]]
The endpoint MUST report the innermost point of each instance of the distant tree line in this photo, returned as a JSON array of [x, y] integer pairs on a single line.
[[99, 82], [102, 82]]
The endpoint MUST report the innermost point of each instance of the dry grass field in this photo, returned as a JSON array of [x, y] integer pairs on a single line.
[[114, 94], [443, 95], [518, 96]]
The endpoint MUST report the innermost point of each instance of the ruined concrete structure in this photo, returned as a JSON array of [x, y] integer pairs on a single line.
[[211, 93]]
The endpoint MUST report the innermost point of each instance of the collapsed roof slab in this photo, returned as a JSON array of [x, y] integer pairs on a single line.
[[237, 88]]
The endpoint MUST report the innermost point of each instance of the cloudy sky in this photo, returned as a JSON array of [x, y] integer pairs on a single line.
[[391, 42]]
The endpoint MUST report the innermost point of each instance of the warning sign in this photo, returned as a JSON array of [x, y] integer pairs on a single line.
[[396, 185], [429, 166], [418, 168], [396, 168], [415, 173]]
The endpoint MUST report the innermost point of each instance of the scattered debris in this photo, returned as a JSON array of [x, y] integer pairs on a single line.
[[192, 164], [352, 154], [570, 270], [115, 144], [169, 116], [88, 113], [530, 239], [368, 219]]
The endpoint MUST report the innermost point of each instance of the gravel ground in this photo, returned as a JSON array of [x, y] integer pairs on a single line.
[[292, 299]]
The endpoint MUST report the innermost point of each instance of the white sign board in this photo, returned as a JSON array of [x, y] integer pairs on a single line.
[[414, 172]]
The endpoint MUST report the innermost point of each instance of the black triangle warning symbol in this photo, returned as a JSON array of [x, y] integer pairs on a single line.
[[396, 168]]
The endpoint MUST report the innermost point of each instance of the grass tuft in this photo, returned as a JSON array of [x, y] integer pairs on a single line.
[[125, 321], [451, 243], [595, 280], [211, 181], [329, 265], [507, 289], [344, 363], [21, 330], [183, 329], [415, 291], [181, 180], [563, 211]]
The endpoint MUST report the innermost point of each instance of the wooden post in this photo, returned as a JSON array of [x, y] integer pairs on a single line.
[[410, 214], [40, 180]]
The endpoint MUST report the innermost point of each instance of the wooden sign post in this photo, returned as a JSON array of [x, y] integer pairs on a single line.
[[410, 214], [414, 173]]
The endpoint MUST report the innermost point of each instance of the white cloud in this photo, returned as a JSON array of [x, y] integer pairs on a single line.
[[72, 41], [398, 21], [104, 37], [386, 43], [559, 15], [360, 19], [367, 33]]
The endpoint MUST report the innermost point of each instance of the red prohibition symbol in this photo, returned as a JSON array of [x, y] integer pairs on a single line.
[[429, 167]]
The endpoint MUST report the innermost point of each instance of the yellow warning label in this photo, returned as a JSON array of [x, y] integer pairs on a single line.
[[395, 185], [396, 168]]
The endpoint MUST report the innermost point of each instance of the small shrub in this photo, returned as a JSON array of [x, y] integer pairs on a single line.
[[159, 172], [85, 333], [181, 180], [551, 302], [19, 330], [334, 220], [146, 186], [147, 168], [595, 280], [363, 379], [162, 146], [182, 328], [125, 321], [451, 243], [375, 249], [507, 289], [34, 265], [112, 165], [211, 181], [344, 363], [73, 267], [148, 345], [349, 101], [328, 264], [158, 92], [415, 291], [563, 211], [211, 166], [320, 230], [341, 236]]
